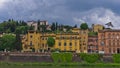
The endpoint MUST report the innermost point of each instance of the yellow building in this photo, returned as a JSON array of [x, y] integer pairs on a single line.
[[97, 27], [76, 30], [83, 40], [75, 41]]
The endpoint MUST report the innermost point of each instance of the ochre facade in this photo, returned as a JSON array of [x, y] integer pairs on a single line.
[[76, 41], [97, 27]]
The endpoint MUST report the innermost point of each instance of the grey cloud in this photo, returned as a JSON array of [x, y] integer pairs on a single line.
[[62, 11], [100, 16]]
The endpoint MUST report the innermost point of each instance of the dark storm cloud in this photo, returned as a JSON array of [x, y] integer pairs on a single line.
[[63, 11], [83, 5]]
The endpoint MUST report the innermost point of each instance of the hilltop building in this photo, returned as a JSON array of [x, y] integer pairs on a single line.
[[41, 24], [33, 23], [97, 27]]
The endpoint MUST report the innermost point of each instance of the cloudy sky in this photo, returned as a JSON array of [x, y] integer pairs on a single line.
[[63, 11]]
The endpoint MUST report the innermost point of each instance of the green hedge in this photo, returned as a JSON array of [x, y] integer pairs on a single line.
[[116, 58], [55, 57], [90, 58], [62, 57]]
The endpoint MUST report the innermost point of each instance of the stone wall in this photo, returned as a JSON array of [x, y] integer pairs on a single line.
[[26, 57], [40, 57]]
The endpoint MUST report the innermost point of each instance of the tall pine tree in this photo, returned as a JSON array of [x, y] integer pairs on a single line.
[[18, 43], [53, 27]]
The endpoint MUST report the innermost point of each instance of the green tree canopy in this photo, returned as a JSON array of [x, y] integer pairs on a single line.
[[51, 41], [75, 26], [92, 33], [11, 25], [22, 29], [7, 42], [84, 26]]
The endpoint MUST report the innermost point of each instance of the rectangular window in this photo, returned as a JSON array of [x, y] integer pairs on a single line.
[[30, 43], [80, 44], [109, 50], [59, 43], [84, 48], [102, 43], [96, 47], [42, 38], [75, 37], [70, 44], [46, 38], [113, 50], [65, 44], [113, 44], [43, 45], [31, 36]]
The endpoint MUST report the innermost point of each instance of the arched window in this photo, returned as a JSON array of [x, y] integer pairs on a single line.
[[43, 45], [30, 43], [70, 44], [59, 43], [65, 44], [109, 50], [31, 36]]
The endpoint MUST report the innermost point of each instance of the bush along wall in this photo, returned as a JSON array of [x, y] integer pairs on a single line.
[[90, 58], [116, 58], [62, 57]]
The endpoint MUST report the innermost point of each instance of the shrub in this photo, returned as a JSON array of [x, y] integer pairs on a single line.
[[90, 58], [116, 58], [82, 55], [55, 57], [66, 57], [62, 57]]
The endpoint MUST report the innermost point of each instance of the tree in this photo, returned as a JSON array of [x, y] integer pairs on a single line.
[[38, 23], [84, 26], [51, 41], [43, 28], [61, 27], [11, 25], [56, 26], [75, 26], [92, 33], [31, 27], [8, 31], [22, 29], [18, 43], [7, 42], [53, 27], [67, 27]]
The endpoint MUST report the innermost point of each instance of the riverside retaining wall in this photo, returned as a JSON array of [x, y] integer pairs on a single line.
[[41, 57]]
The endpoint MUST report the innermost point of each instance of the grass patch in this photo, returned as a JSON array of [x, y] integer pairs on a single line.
[[61, 64]]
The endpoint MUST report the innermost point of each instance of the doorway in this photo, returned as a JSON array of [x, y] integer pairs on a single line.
[[118, 50]]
